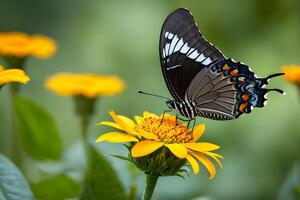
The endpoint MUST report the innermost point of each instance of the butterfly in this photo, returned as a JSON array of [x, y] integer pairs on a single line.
[[202, 81]]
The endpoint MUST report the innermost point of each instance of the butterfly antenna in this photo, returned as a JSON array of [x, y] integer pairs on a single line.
[[155, 95]]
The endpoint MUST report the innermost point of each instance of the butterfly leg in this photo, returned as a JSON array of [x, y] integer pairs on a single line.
[[194, 123], [184, 120], [163, 116]]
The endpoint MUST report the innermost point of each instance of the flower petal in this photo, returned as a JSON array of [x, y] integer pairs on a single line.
[[207, 163], [123, 124], [147, 135], [178, 150], [127, 120], [138, 119], [145, 147], [147, 114], [213, 155], [193, 163], [112, 124], [198, 131], [201, 146], [116, 137]]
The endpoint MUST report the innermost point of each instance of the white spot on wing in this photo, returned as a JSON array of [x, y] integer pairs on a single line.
[[173, 43], [185, 49], [179, 45], [194, 55], [200, 58], [207, 61]]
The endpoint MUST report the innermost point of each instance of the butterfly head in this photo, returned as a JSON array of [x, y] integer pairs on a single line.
[[171, 104]]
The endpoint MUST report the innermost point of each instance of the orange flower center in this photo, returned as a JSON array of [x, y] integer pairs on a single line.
[[168, 130]]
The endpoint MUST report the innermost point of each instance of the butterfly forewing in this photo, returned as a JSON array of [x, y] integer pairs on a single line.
[[202, 81], [184, 52]]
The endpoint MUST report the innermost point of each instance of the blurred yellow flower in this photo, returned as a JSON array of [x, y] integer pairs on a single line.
[[18, 44], [292, 73], [12, 75], [88, 85], [149, 133]]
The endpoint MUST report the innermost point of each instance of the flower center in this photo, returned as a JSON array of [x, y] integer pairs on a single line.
[[168, 130]]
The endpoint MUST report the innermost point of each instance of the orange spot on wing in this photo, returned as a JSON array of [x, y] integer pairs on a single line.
[[243, 106], [245, 97], [226, 67], [234, 72]]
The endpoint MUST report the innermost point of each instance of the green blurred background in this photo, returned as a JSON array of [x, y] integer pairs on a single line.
[[121, 38]]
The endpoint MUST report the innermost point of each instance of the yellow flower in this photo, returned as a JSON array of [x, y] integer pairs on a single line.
[[20, 45], [12, 75], [292, 73], [149, 133], [88, 85]]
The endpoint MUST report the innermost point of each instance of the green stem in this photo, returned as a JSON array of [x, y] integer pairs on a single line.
[[15, 140], [84, 133], [150, 185], [15, 152]]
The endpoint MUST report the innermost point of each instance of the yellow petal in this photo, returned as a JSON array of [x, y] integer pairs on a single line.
[[215, 157], [13, 75], [178, 150], [193, 163], [127, 120], [198, 131], [145, 147], [123, 124], [112, 124], [207, 163], [147, 135], [147, 114], [201, 146], [138, 119], [116, 137]]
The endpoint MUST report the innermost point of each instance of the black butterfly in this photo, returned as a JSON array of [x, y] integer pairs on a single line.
[[201, 79]]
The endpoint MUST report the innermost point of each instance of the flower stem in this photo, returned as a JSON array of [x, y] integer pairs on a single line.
[[15, 152], [84, 133], [85, 109], [14, 137], [150, 185]]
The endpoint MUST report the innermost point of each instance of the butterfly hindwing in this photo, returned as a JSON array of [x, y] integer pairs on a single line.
[[184, 52], [226, 90]]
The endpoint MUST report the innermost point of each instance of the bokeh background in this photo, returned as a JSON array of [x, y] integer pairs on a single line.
[[121, 38]]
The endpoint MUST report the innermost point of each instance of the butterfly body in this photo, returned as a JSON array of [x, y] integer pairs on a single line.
[[201, 79]]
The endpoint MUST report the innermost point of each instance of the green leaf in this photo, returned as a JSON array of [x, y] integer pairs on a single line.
[[101, 181], [57, 187], [38, 130], [121, 157], [13, 185], [289, 187]]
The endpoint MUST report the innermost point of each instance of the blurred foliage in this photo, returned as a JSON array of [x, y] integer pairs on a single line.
[[38, 130], [13, 185], [101, 181], [289, 189], [121, 37], [59, 187]]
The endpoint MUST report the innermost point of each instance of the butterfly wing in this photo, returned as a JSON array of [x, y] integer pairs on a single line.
[[184, 52], [227, 90]]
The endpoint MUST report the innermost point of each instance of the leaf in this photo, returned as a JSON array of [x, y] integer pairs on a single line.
[[289, 187], [101, 181], [38, 130], [122, 157], [13, 185], [57, 187]]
